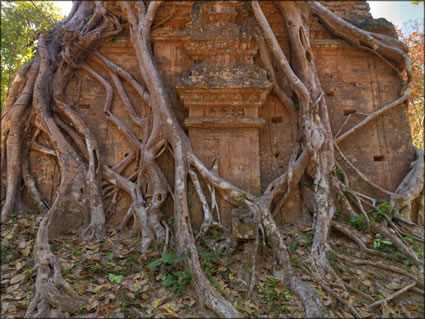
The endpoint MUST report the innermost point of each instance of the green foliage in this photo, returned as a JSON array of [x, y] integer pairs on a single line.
[[209, 261], [21, 24], [116, 278], [297, 260], [110, 255], [379, 243], [293, 246], [274, 290], [30, 271], [339, 172], [417, 246], [6, 252], [126, 304], [308, 238], [381, 210], [173, 275], [357, 222]]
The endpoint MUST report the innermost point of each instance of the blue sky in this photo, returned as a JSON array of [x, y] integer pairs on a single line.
[[398, 12]]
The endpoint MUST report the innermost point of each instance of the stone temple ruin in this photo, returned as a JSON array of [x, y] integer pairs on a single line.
[[208, 58]]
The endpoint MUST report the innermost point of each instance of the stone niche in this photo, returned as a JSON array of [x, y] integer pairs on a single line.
[[223, 93]]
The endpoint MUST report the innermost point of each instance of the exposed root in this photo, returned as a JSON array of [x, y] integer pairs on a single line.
[[11, 139], [359, 239], [394, 295], [418, 279]]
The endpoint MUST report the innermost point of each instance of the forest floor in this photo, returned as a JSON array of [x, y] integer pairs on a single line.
[[119, 283]]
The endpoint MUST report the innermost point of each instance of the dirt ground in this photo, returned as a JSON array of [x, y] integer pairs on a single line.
[[120, 283]]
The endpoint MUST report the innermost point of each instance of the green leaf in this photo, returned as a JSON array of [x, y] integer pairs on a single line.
[[376, 244], [155, 263], [110, 255], [168, 281], [386, 242], [293, 246], [116, 278], [168, 258]]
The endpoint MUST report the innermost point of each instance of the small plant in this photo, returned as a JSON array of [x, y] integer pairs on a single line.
[[173, 275], [209, 261], [97, 267], [339, 172], [126, 304], [116, 278], [383, 209], [293, 246], [308, 238], [415, 245], [379, 243], [274, 290], [296, 261], [332, 258], [30, 271], [7, 253], [357, 222]]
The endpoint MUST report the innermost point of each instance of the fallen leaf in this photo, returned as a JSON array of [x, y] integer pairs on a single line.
[[392, 286], [280, 288], [411, 307], [99, 288], [26, 252], [135, 287], [169, 308], [17, 278], [157, 302]]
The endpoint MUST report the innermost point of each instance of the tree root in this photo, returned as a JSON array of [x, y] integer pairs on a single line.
[[394, 295], [360, 240], [418, 279]]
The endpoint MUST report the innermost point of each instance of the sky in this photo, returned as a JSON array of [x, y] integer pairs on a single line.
[[397, 12]]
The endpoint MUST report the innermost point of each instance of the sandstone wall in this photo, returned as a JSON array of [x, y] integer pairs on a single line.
[[251, 156]]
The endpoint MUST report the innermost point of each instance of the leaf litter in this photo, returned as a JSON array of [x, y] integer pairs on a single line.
[[118, 282]]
